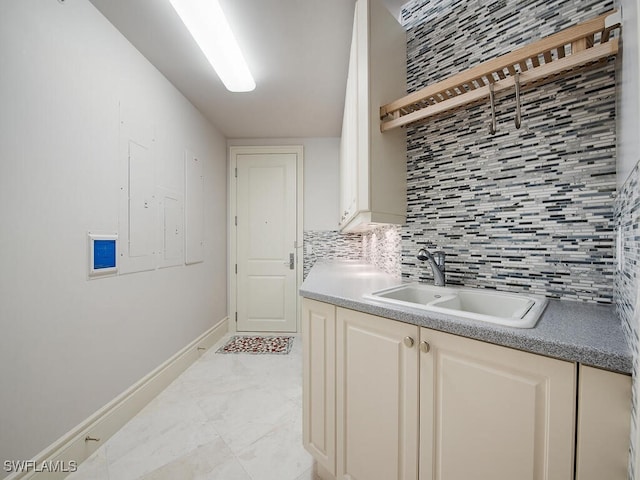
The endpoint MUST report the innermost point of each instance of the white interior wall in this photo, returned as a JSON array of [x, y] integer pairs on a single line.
[[321, 177], [69, 345]]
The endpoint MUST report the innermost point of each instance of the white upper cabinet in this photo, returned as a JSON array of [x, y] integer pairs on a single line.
[[373, 164]]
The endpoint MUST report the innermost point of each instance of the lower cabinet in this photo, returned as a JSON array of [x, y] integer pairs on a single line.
[[386, 400], [604, 425], [318, 384], [493, 413], [377, 397]]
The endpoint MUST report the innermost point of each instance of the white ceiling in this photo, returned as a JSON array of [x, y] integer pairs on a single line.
[[297, 51]]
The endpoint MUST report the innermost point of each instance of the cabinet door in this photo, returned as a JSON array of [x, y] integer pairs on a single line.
[[377, 397], [318, 387], [373, 164], [604, 425], [349, 139], [493, 413]]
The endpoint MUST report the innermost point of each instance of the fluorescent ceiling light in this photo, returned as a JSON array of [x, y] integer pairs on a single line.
[[207, 24]]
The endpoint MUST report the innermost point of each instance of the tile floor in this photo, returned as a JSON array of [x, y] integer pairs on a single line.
[[227, 417]]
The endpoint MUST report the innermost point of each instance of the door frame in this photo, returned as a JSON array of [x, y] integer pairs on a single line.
[[234, 151]]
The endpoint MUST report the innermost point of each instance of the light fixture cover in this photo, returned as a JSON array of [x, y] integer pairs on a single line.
[[208, 25]]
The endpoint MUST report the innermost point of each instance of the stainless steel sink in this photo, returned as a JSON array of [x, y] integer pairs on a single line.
[[501, 308]]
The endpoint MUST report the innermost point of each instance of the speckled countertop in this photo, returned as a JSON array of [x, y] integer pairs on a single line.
[[578, 332]]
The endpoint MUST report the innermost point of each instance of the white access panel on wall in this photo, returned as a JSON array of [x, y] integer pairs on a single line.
[[142, 211], [194, 208], [171, 228], [138, 204]]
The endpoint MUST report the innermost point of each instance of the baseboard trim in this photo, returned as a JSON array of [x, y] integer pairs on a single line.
[[72, 448]]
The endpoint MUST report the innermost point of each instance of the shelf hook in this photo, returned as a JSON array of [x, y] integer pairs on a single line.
[[492, 99], [518, 112]]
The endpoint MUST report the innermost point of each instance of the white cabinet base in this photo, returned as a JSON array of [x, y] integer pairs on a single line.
[[318, 383], [387, 400], [322, 473], [377, 397], [604, 425], [489, 412]]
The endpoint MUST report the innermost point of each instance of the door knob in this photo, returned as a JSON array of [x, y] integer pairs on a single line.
[[408, 341], [425, 347]]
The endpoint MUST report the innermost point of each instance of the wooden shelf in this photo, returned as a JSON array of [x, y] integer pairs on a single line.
[[567, 50]]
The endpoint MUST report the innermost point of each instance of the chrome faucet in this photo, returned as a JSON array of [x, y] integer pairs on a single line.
[[436, 262]]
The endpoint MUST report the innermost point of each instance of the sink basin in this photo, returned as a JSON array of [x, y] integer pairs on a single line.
[[501, 308], [412, 293]]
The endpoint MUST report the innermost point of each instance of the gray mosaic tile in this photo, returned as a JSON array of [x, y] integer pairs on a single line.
[[382, 248], [528, 209], [330, 245], [627, 215], [626, 286]]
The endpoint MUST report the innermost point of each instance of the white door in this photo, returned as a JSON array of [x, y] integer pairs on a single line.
[[266, 234]]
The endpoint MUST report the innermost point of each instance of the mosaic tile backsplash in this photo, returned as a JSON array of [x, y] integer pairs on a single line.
[[626, 288], [627, 215], [380, 247], [330, 245], [528, 209]]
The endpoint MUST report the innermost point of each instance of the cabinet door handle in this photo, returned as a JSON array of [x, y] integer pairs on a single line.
[[425, 347], [408, 341]]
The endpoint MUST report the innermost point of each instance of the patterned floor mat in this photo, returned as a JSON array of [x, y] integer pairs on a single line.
[[257, 345]]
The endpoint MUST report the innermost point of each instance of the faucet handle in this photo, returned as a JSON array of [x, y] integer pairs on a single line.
[[436, 262], [439, 258]]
